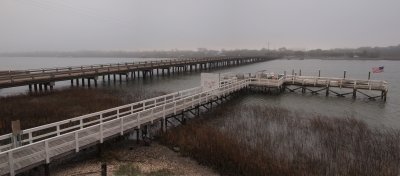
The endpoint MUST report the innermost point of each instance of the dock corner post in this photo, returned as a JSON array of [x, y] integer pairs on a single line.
[[183, 118], [163, 125], [88, 81], [354, 93], [319, 73], [103, 169], [369, 75], [137, 136], [327, 90], [344, 74], [300, 72]]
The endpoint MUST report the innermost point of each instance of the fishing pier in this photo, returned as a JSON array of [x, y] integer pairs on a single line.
[[39, 80], [41, 145]]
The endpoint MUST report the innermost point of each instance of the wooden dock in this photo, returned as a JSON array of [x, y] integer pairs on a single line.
[[45, 79], [43, 144]]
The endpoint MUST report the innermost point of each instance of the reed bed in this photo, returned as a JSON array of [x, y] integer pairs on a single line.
[[264, 140], [39, 109]]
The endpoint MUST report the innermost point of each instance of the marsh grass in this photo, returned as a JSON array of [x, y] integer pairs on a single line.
[[262, 140], [39, 109]]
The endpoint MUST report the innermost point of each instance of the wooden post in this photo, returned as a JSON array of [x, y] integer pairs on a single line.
[[16, 133], [354, 93], [344, 74], [327, 90], [103, 169], [300, 72], [319, 73], [369, 75], [137, 136]]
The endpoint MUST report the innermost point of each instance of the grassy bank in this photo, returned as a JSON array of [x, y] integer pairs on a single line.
[[260, 140], [39, 109]]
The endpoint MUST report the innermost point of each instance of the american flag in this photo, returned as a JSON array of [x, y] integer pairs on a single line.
[[377, 69]]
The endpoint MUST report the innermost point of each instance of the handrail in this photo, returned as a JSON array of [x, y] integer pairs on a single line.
[[172, 96], [45, 149], [43, 72]]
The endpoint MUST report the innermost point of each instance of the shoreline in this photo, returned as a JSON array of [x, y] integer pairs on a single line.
[[128, 157]]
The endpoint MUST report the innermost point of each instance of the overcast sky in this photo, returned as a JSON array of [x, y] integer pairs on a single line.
[[65, 25]]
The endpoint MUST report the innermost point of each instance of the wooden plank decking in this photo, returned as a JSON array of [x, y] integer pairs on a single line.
[[44, 143], [46, 76]]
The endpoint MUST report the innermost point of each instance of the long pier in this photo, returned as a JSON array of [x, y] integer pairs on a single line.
[[44, 79], [44, 144]]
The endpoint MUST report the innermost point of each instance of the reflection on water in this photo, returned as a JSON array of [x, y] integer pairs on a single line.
[[373, 112]]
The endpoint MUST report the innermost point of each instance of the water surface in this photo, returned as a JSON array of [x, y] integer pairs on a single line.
[[376, 113]]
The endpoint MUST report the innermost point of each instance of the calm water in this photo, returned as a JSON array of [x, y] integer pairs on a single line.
[[375, 113]]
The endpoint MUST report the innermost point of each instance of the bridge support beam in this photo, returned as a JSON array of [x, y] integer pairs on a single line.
[[327, 91]]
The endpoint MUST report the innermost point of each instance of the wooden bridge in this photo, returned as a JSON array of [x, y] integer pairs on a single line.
[[43, 144], [44, 79]]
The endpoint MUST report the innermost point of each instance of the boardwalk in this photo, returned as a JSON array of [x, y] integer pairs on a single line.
[[44, 79], [41, 145]]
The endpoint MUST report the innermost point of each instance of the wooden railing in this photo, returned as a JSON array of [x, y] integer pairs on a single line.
[[78, 136], [54, 129], [92, 70], [337, 82]]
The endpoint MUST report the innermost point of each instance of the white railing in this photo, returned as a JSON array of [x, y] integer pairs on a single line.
[[54, 129], [337, 82], [44, 150]]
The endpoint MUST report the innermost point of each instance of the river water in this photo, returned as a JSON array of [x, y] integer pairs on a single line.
[[375, 113]]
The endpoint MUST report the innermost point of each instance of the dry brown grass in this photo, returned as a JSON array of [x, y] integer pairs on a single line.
[[39, 109], [260, 140]]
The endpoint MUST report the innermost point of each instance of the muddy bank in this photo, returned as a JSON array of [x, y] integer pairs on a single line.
[[129, 158]]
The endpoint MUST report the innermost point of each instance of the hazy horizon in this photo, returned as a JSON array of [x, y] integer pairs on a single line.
[[137, 25]]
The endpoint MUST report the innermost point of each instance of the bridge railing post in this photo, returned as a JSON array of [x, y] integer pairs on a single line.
[[76, 142]]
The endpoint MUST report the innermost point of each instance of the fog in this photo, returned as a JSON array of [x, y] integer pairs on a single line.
[[67, 25]]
